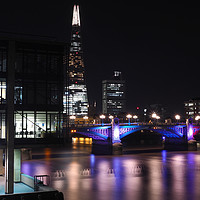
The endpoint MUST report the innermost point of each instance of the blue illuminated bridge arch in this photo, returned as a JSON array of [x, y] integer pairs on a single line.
[[99, 132]]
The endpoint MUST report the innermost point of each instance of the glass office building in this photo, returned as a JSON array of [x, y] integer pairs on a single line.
[[114, 95], [38, 87], [192, 108], [76, 93]]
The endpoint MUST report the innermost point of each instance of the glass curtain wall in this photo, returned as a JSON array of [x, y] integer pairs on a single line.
[[38, 90], [29, 124]]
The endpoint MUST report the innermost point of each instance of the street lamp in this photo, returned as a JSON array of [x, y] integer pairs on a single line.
[[157, 117], [177, 117], [154, 115], [135, 117], [72, 118], [111, 117], [129, 116], [197, 118], [85, 118], [102, 117]]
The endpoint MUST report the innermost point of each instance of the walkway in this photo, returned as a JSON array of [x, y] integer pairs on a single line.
[[18, 187]]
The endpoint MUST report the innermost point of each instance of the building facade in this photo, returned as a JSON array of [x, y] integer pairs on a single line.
[[192, 108], [38, 86], [76, 92], [114, 95]]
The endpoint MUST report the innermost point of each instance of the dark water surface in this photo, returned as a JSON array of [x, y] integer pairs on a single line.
[[152, 176]]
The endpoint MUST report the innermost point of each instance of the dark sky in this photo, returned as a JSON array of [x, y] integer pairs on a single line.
[[156, 45]]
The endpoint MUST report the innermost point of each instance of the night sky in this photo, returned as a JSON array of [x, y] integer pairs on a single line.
[[155, 45]]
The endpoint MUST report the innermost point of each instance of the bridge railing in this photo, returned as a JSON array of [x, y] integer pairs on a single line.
[[89, 125], [128, 124]]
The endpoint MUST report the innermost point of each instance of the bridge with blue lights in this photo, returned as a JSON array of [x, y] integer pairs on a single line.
[[118, 131]]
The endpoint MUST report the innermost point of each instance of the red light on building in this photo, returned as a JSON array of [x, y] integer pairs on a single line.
[[138, 108]]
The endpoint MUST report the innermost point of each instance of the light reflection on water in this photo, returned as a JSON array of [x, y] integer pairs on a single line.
[[164, 175]]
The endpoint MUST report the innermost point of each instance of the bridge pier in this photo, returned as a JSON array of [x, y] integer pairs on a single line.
[[117, 147], [113, 145]]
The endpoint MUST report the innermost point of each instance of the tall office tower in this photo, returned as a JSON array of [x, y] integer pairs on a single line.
[[192, 108], [77, 100], [114, 95]]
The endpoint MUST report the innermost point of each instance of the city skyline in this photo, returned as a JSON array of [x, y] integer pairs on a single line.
[[154, 45]]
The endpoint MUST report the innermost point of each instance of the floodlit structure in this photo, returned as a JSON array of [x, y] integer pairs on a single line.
[[76, 99], [114, 95], [192, 108]]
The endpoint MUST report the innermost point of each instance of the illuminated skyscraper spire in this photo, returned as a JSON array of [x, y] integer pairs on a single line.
[[77, 100], [76, 16]]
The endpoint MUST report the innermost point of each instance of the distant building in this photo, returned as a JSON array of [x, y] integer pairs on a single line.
[[114, 95], [192, 108], [38, 86], [92, 110], [159, 109], [76, 99]]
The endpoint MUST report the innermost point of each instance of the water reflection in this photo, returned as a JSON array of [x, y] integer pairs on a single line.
[[164, 175]]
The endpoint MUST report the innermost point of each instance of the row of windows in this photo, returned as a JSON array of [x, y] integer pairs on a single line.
[[32, 93], [114, 87], [37, 63], [3, 60], [192, 104], [193, 108], [30, 124], [192, 113], [112, 94]]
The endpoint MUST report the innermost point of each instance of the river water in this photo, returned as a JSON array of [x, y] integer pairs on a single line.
[[147, 176]]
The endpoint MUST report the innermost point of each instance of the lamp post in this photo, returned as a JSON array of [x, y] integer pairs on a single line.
[[129, 116], [157, 117], [135, 117], [177, 117], [197, 118], [110, 117], [85, 119], [102, 117], [72, 118], [154, 116]]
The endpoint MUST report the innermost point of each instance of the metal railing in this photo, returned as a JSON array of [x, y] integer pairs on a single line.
[[126, 124], [41, 180]]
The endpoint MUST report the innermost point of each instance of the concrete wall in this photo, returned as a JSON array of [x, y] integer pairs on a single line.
[[17, 165], [28, 180]]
